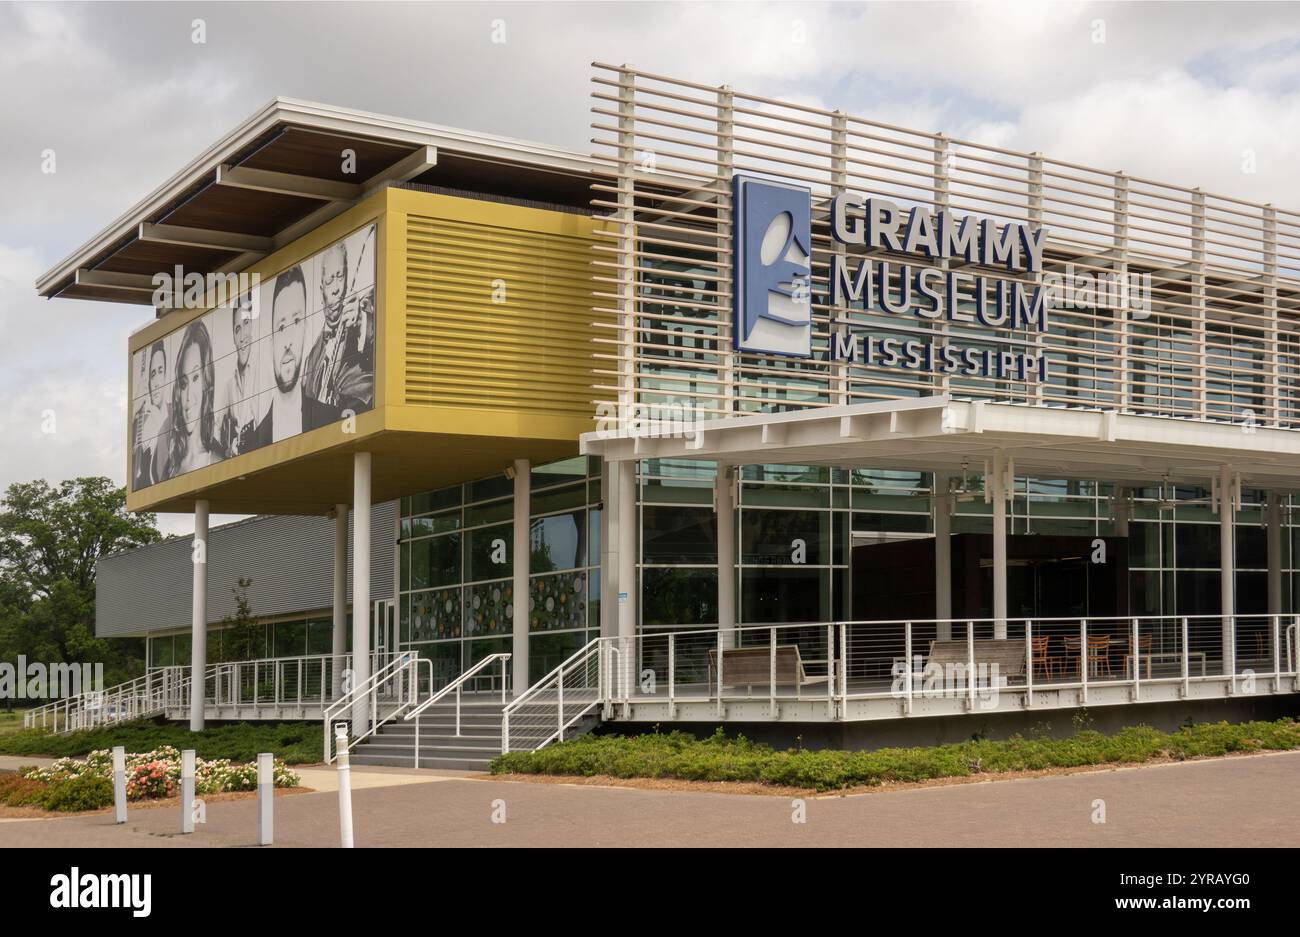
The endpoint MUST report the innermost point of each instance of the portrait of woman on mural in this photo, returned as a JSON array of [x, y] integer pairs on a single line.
[[191, 441]]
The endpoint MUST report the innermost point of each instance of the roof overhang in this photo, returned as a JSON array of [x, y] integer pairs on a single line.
[[281, 173], [938, 433]]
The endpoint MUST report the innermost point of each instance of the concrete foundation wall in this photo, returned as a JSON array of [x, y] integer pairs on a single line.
[[941, 730]]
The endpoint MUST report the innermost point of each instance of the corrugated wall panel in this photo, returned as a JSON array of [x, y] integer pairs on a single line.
[[290, 561], [498, 317]]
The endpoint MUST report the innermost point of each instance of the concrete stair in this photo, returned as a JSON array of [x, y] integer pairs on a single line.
[[440, 747]]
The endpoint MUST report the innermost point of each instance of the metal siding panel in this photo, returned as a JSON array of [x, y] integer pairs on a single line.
[[288, 559]]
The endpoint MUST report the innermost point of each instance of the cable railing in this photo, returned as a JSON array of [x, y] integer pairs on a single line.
[[146, 695], [475, 675], [386, 694], [558, 701], [838, 663]]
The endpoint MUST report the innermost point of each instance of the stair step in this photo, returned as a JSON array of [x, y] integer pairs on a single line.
[[445, 763], [466, 725], [407, 752], [436, 741]]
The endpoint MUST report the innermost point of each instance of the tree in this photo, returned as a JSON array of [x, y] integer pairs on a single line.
[[51, 538], [242, 637]]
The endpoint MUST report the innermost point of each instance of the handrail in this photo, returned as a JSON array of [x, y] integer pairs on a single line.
[[460, 682], [405, 664], [532, 695], [457, 685]]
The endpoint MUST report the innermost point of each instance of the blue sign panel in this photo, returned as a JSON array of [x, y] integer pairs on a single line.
[[773, 264]]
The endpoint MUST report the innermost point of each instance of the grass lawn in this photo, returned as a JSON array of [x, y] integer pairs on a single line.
[[682, 756], [10, 721], [295, 742]]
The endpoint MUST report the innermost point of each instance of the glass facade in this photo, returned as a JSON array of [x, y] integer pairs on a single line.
[[293, 636], [795, 527], [456, 568]]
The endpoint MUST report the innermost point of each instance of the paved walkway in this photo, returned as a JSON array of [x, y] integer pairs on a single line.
[[1246, 801]]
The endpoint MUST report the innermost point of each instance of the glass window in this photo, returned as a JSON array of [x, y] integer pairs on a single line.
[[489, 608], [784, 595], [557, 542], [548, 651], [679, 596], [1196, 546], [679, 535], [497, 486], [1143, 545], [557, 473], [558, 603], [435, 561], [489, 513], [488, 555], [784, 538], [436, 614], [290, 638], [320, 636]]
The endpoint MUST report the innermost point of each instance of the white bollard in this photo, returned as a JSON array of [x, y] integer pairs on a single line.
[[265, 799], [187, 791], [119, 782], [345, 785]]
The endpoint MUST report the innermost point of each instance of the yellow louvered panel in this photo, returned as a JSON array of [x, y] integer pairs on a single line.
[[532, 352]]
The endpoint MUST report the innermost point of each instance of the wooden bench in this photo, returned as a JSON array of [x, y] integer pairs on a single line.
[[752, 666], [1007, 655]]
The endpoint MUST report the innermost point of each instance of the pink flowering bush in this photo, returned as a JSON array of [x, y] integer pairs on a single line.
[[158, 773]]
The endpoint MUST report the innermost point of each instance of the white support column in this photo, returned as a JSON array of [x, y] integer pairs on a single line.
[[360, 584], [997, 486], [628, 592], [1274, 521], [199, 616], [609, 516], [942, 502], [520, 555], [338, 643], [1227, 566], [1123, 511], [724, 506]]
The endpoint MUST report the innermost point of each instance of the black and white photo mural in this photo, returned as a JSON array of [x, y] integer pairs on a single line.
[[298, 356]]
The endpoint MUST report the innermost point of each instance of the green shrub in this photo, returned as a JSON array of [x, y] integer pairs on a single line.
[[82, 793], [719, 758], [295, 743]]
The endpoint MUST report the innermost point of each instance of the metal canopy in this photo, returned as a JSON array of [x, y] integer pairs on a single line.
[[280, 174], [940, 433]]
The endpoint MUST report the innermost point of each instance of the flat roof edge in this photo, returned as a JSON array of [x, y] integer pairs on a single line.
[[312, 116]]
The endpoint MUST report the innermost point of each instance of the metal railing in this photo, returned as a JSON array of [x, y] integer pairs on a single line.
[[552, 705], [388, 693], [475, 673], [313, 678], [837, 663], [146, 695]]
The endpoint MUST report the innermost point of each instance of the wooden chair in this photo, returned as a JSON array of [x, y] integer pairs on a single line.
[[1043, 664], [1143, 648], [1072, 656], [1099, 655]]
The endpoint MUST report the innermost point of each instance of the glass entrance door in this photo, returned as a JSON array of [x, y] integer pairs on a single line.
[[383, 633]]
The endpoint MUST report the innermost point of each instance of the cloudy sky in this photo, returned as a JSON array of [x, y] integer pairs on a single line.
[[1177, 92]]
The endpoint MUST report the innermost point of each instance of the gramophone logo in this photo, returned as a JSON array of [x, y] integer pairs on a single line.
[[773, 311]]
